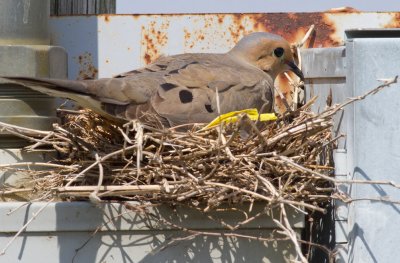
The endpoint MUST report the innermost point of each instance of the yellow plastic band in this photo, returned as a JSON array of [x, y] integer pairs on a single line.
[[232, 116]]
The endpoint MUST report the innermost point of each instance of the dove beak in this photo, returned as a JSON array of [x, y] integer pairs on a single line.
[[293, 67]]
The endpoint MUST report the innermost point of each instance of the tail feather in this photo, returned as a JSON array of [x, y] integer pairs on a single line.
[[75, 86], [68, 89]]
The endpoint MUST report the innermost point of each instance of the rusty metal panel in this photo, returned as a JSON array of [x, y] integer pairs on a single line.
[[105, 45]]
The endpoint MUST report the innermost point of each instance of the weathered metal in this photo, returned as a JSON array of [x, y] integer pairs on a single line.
[[325, 72], [24, 51], [119, 43], [24, 22], [373, 145]]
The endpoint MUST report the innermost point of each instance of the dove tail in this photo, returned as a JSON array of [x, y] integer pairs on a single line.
[[52, 87], [68, 89]]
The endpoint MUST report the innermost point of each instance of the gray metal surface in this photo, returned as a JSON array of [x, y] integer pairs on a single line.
[[127, 236], [84, 216], [33, 61], [24, 36], [373, 150], [19, 178], [365, 230], [325, 73], [143, 247], [24, 22], [22, 106]]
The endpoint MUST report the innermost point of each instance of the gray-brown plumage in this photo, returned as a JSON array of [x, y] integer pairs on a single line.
[[182, 88]]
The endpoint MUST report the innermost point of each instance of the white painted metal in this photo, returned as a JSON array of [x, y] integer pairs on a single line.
[[116, 43], [63, 231], [373, 152]]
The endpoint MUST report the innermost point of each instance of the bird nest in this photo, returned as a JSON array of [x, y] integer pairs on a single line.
[[287, 161]]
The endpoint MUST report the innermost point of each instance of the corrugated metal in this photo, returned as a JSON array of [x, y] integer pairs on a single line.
[[82, 7], [111, 44]]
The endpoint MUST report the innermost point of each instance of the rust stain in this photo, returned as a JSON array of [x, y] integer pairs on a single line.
[[283, 85], [187, 34], [220, 19], [135, 16], [202, 28], [154, 37], [395, 23], [344, 9], [147, 58], [87, 70], [292, 27], [237, 30]]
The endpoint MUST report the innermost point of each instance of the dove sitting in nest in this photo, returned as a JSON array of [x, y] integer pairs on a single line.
[[184, 88]]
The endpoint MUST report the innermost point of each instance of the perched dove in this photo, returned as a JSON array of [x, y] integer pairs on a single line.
[[183, 88]]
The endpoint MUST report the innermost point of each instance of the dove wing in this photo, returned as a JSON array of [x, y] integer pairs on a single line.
[[181, 89], [189, 93]]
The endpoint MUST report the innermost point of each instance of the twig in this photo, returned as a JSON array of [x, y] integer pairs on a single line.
[[114, 190], [288, 230], [306, 36], [22, 229], [24, 131], [104, 158], [15, 191], [50, 165], [93, 197]]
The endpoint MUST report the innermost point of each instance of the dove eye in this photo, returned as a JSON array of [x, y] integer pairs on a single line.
[[278, 52]]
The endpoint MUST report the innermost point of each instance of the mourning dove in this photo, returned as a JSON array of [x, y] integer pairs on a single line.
[[183, 88]]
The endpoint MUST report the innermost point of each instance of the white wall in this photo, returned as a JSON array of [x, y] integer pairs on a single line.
[[248, 6]]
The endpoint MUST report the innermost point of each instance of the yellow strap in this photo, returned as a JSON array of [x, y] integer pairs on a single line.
[[231, 117]]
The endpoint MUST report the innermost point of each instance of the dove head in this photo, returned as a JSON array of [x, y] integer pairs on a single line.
[[268, 52]]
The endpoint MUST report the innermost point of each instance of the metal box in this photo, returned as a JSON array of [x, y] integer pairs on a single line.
[[366, 229], [373, 145]]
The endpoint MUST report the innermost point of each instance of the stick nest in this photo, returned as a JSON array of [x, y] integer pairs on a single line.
[[282, 162]]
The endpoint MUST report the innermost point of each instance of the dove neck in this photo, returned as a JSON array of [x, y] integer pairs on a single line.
[[249, 61], [242, 55]]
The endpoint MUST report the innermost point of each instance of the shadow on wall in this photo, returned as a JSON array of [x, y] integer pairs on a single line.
[[144, 237]]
